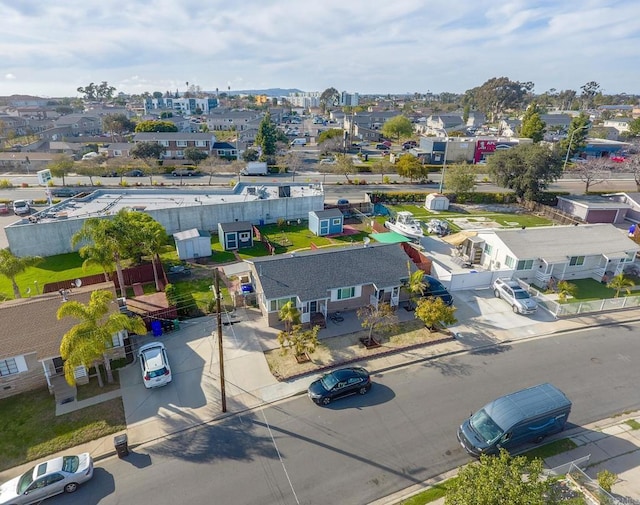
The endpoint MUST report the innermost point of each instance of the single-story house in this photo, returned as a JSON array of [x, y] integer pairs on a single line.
[[563, 252], [193, 243], [632, 200], [593, 208], [30, 351], [328, 280], [235, 235], [326, 222]]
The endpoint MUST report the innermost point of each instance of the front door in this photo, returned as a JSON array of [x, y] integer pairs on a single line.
[[232, 241]]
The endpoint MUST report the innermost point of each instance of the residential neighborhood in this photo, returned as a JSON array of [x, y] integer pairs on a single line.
[[253, 289]]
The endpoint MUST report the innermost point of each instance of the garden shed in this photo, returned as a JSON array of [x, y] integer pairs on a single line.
[[436, 201], [235, 235], [192, 244], [326, 222]]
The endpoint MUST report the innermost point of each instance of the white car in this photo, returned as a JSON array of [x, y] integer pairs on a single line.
[[156, 371], [519, 298], [59, 475], [21, 207]]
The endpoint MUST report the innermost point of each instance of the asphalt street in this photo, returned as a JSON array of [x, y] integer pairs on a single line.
[[365, 447]]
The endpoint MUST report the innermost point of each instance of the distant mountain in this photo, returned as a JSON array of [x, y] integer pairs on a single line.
[[268, 92]]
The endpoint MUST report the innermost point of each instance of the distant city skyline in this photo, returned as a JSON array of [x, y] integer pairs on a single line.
[[50, 49]]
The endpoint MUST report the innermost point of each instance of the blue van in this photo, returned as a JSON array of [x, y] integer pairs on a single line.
[[517, 418]]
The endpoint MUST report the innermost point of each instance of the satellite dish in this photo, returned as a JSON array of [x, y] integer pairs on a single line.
[[77, 283]]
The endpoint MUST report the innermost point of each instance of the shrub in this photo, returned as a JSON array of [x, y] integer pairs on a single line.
[[606, 479], [5, 183]]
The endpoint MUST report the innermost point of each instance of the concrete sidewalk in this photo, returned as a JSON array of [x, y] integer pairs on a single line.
[[194, 396]]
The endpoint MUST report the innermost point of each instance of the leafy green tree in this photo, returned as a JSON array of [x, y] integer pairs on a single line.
[[576, 136], [290, 315], [410, 167], [344, 166], [302, 341], [434, 313], [634, 128], [566, 289], [397, 127], [61, 165], [89, 341], [527, 169], [195, 155], [103, 236], [330, 134], [155, 126], [98, 92], [589, 92], [500, 480], [460, 178], [250, 155], [266, 137], [117, 124], [11, 266], [621, 282], [330, 97], [380, 317], [498, 95], [91, 167], [532, 127], [149, 153]]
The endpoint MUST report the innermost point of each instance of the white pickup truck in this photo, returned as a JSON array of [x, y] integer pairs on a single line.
[[519, 298]]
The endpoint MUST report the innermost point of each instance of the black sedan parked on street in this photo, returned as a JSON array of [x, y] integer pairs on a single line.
[[339, 383]]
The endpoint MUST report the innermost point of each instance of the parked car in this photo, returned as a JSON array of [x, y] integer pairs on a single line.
[[617, 159], [339, 383], [382, 147], [436, 289], [154, 363], [65, 192], [185, 172], [328, 161], [58, 475], [409, 144], [515, 295], [4, 208], [21, 207], [134, 173]]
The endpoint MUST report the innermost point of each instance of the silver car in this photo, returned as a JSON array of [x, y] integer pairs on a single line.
[[59, 475], [519, 298]]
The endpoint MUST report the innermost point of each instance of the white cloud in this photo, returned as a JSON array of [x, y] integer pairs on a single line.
[[10, 77], [356, 45]]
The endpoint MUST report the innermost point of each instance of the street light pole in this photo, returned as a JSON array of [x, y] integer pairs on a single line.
[[444, 161], [566, 158]]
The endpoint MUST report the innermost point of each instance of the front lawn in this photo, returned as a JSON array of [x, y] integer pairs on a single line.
[[590, 289], [30, 429]]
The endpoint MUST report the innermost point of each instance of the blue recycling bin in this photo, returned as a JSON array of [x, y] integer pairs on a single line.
[[156, 328]]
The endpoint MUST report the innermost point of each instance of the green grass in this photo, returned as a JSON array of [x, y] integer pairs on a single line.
[[57, 268], [551, 449], [432, 494], [590, 289], [635, 425], [29, 428]]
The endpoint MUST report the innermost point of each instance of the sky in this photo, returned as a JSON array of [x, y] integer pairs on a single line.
[[50, 48]]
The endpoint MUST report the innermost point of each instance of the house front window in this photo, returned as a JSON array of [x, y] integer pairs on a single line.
[[345, 293], [201, 143], [276, 305], [509, 261], [576, 261], [488, 249], [181, 143], [525, 265], [8, 367]]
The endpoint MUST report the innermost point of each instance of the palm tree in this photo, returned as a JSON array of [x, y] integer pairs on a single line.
[[95, 255], [11, 266], [290, 314], [104, 237], [619, 283], [89, 340], [417, 286]]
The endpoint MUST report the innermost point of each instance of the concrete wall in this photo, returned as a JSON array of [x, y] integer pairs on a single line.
[[47, 238]]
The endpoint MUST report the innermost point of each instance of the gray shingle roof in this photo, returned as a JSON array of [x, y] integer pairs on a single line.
[[235, 226], [555, 243], [310, 275], [328, 213]]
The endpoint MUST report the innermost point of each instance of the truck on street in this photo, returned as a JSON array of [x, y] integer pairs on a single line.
[[255, 168]]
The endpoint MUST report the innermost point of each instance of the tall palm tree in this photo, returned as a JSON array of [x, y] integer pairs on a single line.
[[290, 314], [104, 237], [620, 283], [99, 256], [11, 266], [88, 341]]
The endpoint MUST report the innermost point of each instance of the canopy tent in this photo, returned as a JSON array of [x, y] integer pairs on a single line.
[[457, 239], [390, 237]]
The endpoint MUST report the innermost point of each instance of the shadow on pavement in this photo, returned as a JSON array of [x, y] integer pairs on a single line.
[[92, 492], [138, 459], [378, 394]]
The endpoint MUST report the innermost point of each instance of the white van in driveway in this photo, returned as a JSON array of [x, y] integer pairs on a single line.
[[299, 142]]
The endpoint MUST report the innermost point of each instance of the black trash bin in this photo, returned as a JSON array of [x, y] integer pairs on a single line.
[[122, 445]]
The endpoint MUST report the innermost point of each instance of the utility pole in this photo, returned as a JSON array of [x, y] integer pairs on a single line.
[[220, 352]]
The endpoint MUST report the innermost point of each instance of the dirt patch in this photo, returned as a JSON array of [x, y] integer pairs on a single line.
[[345, 349]]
